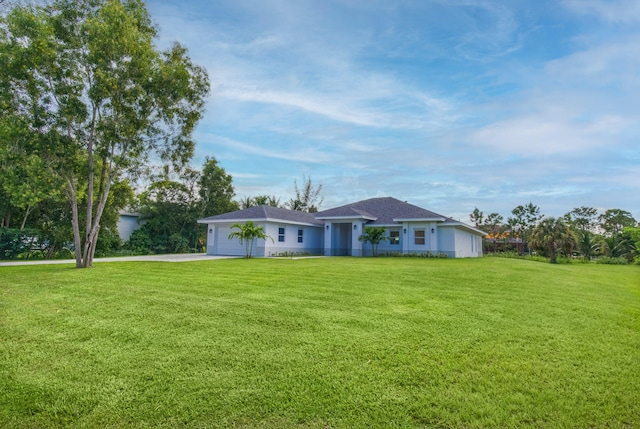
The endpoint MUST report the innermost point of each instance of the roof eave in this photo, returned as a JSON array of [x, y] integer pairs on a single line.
[[420, 219], [465, 226], [264, 219], [346, 217]]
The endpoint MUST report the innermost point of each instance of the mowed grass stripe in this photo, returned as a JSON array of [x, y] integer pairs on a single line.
[[336, 342]]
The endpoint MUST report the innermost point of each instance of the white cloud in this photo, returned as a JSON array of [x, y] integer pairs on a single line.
[[445, 103], [308, 154], [611, 62], [615, 11], [547, 135]]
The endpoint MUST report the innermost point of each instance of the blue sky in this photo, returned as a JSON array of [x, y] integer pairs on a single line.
[[446, 104]]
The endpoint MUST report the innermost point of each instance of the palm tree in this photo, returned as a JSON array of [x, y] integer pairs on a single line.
[[373, 235], [551, 235], [266, 200], [247, 202], [587, 244], [248, 233], [619, 246]]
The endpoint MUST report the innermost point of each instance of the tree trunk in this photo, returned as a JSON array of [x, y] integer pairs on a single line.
[[90, 247], [75, 223], [92, 237], [24, 219]]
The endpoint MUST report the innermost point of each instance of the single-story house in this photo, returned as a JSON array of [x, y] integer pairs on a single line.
[[128, 221], [408, 230]]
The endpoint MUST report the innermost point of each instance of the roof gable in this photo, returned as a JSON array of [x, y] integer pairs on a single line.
[[382, 211]]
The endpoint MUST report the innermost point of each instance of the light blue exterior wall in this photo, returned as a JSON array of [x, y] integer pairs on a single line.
[[341, 238], [218, 242], [127, 223]]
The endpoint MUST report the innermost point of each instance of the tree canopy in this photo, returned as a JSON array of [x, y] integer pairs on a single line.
[[550, 236], [308, 198], [97, 100]]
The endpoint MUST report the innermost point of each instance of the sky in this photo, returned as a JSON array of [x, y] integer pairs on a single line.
[[445, 104]]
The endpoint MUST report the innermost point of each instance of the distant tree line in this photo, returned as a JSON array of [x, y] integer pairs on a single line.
[[307, 198], [168, 209], [583, 232]]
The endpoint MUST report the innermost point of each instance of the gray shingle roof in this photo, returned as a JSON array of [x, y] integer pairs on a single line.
[[265, 212], [378, 211], [383, 210]]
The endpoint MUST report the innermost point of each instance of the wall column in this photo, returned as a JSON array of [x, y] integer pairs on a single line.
[[328, 230]]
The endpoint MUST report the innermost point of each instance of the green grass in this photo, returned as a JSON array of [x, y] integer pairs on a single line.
[[321, 343]]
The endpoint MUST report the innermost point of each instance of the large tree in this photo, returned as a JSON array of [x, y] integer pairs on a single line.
[[26, 178], [613, 221], [634, 234], [477, 217], [583, 218], [170, 211], [524, 219], [308, 198], [493, 226], [216, 191], [99, 98]]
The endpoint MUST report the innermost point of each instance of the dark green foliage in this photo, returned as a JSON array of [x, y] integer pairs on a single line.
[[16, 242], [215, 188], [108, 243], [613, 221], [260, 200], [173, 203], [551, 236], [612, 260], [169, 210], [620, 245], [524, 220], [139, 242]]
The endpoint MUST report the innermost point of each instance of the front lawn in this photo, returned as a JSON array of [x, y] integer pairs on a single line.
[[320, 343]]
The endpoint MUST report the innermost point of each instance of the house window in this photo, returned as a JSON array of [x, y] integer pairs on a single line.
[[394, 237], [300, 235], [419, 236], [281, 235]]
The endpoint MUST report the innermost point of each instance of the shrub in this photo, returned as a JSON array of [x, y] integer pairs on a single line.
[[108, 242], [612, 261], [33, 255], [427, 254], [140, 242], [15, 242], [64, 253]]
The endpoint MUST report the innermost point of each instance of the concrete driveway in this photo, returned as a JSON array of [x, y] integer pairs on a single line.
[[182, 257]]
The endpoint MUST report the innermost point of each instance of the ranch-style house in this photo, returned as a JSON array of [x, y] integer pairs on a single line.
[[409, 229]]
